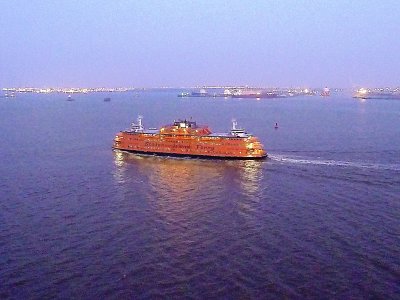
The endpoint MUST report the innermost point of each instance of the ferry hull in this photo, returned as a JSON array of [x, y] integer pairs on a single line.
[[188, 155]]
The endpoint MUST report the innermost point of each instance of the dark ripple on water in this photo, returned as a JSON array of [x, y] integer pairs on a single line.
[[115, 225], [202, 229]]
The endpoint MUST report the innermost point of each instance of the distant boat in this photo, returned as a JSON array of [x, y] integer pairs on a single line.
[[8, 95], [200, 93], [227, 93], [69, 98], [258, 94], [325, 92], [184, 94], [308, 92], [107, 99]]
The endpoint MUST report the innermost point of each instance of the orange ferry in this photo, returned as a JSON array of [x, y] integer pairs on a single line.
[[187, 138]]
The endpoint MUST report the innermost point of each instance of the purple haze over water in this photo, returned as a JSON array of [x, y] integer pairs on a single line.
[[181, 43]]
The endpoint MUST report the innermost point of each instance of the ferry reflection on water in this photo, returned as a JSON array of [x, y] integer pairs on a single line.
[[178, 180], [187, 208]]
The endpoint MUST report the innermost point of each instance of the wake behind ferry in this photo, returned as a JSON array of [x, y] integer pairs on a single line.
[[187, 138]]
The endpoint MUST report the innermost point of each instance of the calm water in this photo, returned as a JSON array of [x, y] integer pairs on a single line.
[[318, 219]]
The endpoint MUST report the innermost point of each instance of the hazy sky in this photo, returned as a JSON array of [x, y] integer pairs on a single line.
[[148, 43]]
